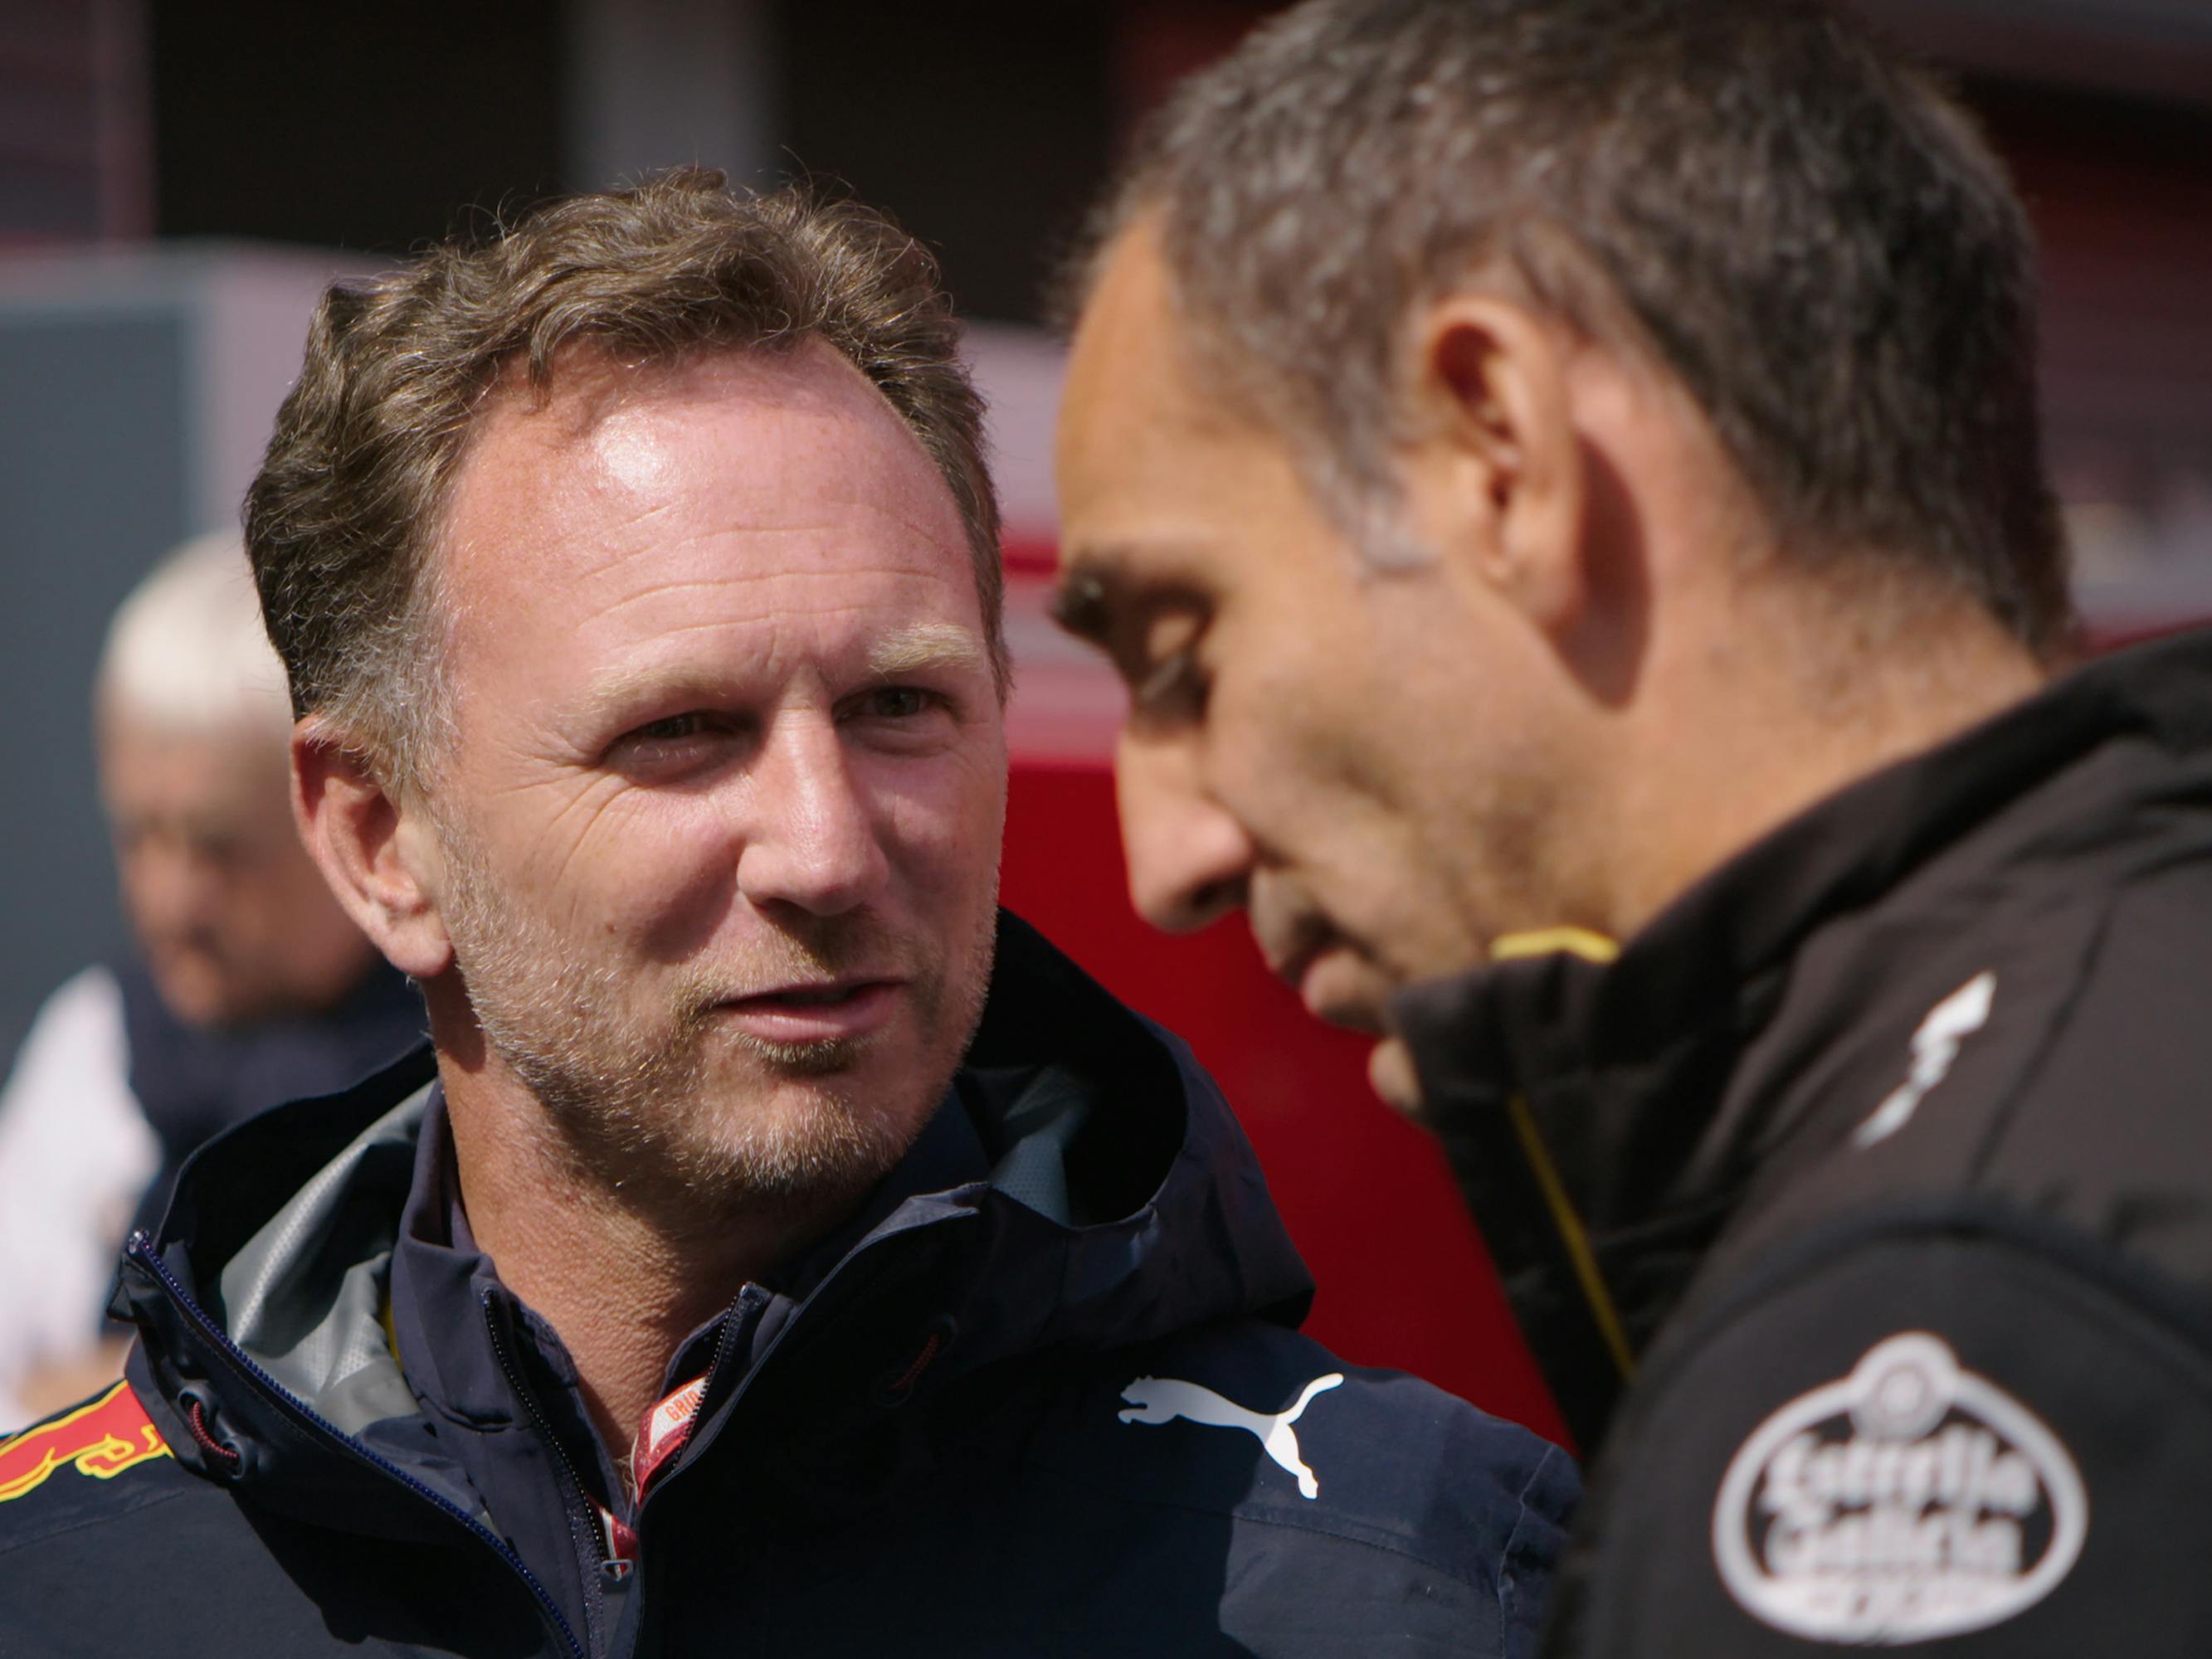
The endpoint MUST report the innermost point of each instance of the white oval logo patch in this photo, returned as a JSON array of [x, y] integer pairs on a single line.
[[1911, 1500]]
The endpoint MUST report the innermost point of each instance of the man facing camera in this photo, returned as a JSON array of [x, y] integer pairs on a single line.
[[779, 1249], [1561, 479]]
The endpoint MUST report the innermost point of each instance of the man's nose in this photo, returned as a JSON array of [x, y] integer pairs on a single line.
[[1189, 858], [811, 839], [171, 888]]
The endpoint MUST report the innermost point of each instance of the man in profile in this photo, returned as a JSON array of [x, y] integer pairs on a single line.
[[1561, 481], [778, 1248], [250, 985]]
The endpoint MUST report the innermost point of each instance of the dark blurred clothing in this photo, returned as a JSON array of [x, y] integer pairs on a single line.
[[192, 1083], [107, 1096]]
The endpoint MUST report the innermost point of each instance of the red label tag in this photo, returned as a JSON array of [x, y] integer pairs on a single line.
[[659, 1433], [662, 1431]]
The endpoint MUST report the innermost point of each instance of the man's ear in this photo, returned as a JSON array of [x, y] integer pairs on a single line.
[[377, 854], [1495, 469]]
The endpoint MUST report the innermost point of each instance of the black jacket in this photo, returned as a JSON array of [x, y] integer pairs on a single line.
[[1860, 1210], [951, 1434]]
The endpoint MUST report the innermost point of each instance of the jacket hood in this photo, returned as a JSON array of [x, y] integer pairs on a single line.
[[1122, 1204], [1590, 1098]]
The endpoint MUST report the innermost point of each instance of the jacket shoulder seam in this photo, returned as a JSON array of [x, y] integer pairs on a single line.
[[1513, 1538], [2005, 1111], [1984, 1221], [106, 1516]]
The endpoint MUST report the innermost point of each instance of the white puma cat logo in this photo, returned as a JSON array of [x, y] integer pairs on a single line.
[[1162, 1399]]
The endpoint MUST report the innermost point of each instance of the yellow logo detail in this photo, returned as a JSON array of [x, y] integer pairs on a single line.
[[102, 1439]]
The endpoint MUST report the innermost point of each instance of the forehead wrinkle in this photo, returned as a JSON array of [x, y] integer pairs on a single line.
[[835, 522], [663, 591], [658, 452], [1141, 555], [1101, 562], [917, 509], [739, 554]]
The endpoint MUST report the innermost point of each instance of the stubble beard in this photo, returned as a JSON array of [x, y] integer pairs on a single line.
[[640, 1107]]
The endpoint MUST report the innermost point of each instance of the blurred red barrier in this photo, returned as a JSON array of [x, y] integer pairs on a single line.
[[1404, 1279]]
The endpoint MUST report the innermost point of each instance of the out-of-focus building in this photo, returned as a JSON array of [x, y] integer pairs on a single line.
[[2104, 109], [175, 181]]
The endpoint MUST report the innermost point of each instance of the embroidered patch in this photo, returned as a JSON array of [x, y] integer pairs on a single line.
[[1162, 1399], [1913, 1499], [100, 1439]]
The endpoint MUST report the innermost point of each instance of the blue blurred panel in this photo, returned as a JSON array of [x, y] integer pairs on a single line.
[[93, 489]]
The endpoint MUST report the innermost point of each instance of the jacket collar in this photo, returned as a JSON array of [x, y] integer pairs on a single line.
[[1100, 1154], [468, 1342], [1582, 1094]]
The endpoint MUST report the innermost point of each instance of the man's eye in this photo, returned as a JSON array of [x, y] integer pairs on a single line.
[[673, 729], [1172, 692], [898, 703], [220, 851], [1167, 684]]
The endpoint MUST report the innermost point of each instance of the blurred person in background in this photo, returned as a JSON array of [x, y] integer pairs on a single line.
[[1561, 481], [250, 987], [777, 1246]]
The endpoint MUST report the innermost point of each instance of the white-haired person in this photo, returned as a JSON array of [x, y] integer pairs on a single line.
[[250, 985]]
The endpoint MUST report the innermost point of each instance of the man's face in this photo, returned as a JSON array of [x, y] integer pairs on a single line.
[[720, 820], [231, 915], [1346, 751]]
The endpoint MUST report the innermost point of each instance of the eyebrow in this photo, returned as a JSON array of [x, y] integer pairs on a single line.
[[1082, 600], [925, 645], [916, 649]]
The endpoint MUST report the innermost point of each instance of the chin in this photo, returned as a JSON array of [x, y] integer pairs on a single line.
[[1362, 1015], [200, 998], [1390, 1073], [802, 1140], [708, 1121], [1346, 989]]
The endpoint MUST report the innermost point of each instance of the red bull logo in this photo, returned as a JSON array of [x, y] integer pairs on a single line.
[[102, 1439]]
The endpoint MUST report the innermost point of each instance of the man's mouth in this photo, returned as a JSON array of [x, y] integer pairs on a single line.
[[815, 1012], [1339, 987], [817, 996], [1335, 981]]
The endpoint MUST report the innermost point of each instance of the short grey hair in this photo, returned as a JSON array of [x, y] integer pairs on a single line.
[[186, 651], [1803, 233]]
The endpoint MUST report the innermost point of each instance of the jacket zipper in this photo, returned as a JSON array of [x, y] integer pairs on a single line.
[[140, 1249], [1574, 1239], [582, 1522], [724, 1342], [743, 1317]]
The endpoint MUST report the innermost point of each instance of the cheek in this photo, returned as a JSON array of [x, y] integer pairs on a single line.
[[670, 870], [616, 864], [134, 880], [940, 822], [1271, 751], [1314, 762]]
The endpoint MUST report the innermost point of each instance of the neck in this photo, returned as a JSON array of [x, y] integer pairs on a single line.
[[1788, 706], [622, 1281]]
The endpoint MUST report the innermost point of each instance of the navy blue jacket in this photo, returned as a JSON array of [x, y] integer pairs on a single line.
[[1000, 1413]]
